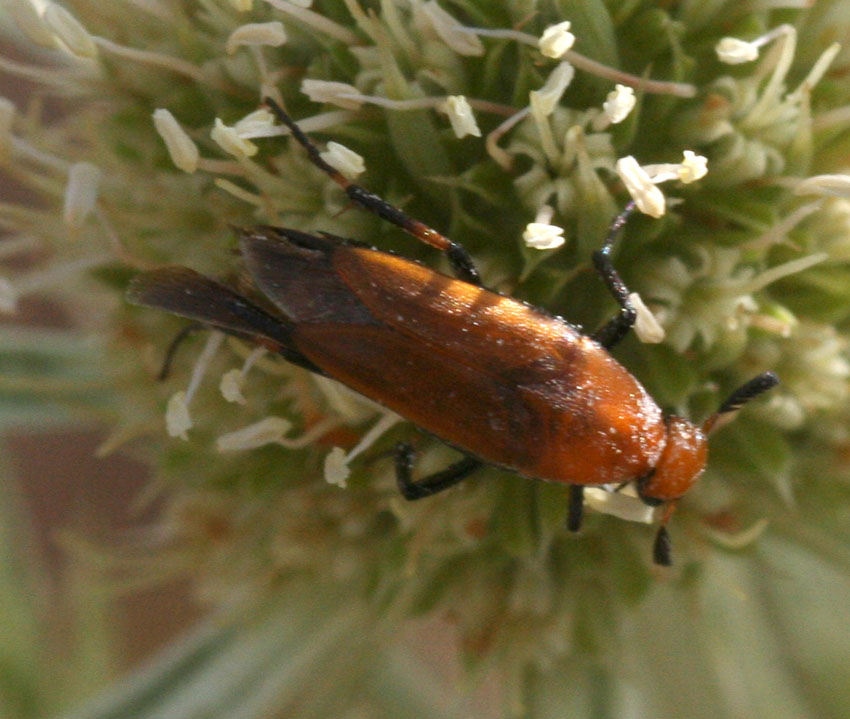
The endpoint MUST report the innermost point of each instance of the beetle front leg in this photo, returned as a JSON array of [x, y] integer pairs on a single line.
[[437, 482], [662, 547], [616, 328]]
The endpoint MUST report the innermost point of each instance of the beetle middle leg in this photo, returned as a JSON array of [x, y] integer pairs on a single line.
[[617, 327], [575, 511], [461, 262], [434, 483]]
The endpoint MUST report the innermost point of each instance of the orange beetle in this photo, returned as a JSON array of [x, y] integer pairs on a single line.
[[504, 382]]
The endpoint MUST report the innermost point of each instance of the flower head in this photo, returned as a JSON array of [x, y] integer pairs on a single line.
[[280, 500]]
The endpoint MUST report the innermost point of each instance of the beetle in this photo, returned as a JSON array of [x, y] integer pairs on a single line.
[[504, 382]]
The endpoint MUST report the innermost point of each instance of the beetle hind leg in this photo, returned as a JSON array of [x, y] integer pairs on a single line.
[[462, 264], [437, 482]]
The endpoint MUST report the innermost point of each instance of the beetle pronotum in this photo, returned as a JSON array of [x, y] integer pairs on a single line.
[[504, 382]]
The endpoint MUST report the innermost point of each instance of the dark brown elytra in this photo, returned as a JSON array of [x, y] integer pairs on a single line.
[[506, 383]]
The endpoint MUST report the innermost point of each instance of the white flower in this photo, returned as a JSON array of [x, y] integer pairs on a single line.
[[624, 504], [332, 92], [177, 419], [556, 40], [619, 103], [733, 51], [641, 181], [183, 151], [231, 386], [647, 328], [337, 460], [648, 198], [694, 167], [259, 33], [336, 467], [542, 236], [269, 430], [80, 193], [547, 97], [26, 17], [836, 185], [259, 123], [69, 30], [451, 32], [228, 139], [460, 116], [348, 162]]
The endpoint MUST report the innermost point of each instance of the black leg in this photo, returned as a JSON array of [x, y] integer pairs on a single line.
[[616, 328], [575, 512], [437, 482], [459, 258], [662, 548], [173, 346]]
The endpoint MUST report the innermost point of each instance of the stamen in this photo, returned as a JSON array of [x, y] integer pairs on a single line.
[[619, 103], [456, 36], [80, 193], [202, 364], [647, 328], [337, 93], [556, 40], [271, 34], [548, 96], [316, 21], [460, 116], [269, 430], [26, 17], [228, 139], [183, 151], [70, 31], [348, 162], [177, 418], [336, 462]]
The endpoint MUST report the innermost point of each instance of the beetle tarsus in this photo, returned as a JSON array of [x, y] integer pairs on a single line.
[[662, 548], [617, 327], [437, 482], [575, 511]]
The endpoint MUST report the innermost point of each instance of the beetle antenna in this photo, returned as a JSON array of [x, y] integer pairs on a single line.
[[747, 391], [457, 255]]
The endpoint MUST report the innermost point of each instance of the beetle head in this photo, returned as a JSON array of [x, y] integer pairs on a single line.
[[685, 452], [680, 464]]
